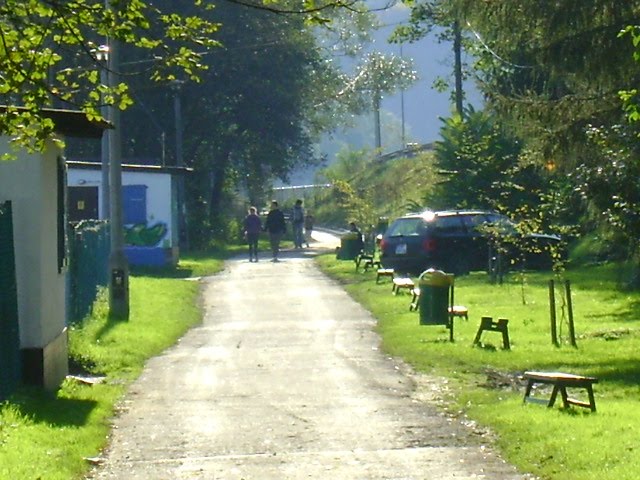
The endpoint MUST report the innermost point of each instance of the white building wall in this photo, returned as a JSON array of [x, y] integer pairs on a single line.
[[159, 197], [30, 183]]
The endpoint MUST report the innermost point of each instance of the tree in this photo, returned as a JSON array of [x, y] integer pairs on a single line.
[[427, 16], [252, 118], [479, 166], [49, 51], [376, 75], [551, 69], [608, 183], [49, 55]]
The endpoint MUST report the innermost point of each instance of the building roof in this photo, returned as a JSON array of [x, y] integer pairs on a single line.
[[131, 168]]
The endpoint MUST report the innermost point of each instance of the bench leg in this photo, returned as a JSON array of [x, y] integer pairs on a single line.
[[592, 400], [505, 340], [565, 396], [554, 394], [527, 392]]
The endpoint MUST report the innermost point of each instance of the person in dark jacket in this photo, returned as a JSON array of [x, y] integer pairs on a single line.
[[276, 226], [252, 229]]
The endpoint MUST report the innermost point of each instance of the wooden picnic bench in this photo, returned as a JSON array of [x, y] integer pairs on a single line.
[[560, 382], [487, 324], [385, 272], [367, 261], [402, 283]]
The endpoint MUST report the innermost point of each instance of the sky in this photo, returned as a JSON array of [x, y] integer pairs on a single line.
[[420, 107], [423, 106]]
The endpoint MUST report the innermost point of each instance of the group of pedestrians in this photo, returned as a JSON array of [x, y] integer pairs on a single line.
[[276, 226]]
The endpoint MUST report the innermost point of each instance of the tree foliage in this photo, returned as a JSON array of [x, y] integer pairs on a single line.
[[550, 68], [49, 55], [608, 182], [479, 166]]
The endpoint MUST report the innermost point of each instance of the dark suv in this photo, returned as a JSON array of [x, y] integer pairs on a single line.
[[462, 241]]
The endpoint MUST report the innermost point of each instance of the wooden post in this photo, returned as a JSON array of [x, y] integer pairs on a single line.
[[552, 312], [450, 311], [572, 331]]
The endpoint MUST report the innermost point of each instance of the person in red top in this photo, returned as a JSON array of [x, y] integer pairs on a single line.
[[252, 229]]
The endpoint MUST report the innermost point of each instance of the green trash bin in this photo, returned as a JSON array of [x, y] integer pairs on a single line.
[[350, 246], [434, 300]]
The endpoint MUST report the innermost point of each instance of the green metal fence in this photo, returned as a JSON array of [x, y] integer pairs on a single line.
[[9, 332], [89, 245]]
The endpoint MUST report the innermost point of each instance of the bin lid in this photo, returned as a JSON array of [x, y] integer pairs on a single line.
[[350, 236], [435, 278]]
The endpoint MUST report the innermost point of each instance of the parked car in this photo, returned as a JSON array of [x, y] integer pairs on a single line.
[[463, 241]]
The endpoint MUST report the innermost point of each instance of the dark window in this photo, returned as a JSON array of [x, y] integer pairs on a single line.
[[134, 203], [83, 203], [406, 227], [451, 224]]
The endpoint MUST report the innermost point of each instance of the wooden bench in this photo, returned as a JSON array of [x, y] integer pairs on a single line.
[[459, 311], [487, 324], [367, 261], [560, 382], [402, 283], [384, 272], [372, 263]]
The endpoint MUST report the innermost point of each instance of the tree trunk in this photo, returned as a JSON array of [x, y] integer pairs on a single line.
[[457, 52], [376, 118], [215, 199]]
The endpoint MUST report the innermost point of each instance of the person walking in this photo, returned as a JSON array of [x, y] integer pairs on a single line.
[[252, 229], [276, 226], [308, 227], [297, 219]]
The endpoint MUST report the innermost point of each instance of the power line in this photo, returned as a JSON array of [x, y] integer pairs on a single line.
[[494, 54]]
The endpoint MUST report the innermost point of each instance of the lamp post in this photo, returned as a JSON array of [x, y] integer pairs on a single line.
[[102, 55], [183, 237], [118, 265]]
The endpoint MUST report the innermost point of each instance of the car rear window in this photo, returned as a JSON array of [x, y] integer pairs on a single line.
[[406, 227], [448, 224], [501, 224]]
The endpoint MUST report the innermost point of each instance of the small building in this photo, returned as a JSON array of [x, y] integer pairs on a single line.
[[149, 202], [33, 186]]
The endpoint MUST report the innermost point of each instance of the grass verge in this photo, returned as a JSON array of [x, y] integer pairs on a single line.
[[54, 436], [483, 381]]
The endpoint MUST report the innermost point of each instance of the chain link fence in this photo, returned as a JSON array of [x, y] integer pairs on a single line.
[[89, 246]]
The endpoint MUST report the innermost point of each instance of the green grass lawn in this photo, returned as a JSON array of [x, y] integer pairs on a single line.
[[53, 436], [483, 380]]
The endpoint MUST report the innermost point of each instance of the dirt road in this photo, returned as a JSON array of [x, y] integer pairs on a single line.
[[285, 380]]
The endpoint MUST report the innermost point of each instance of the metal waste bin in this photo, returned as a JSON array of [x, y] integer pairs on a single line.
[[434, 300], [350, 246]]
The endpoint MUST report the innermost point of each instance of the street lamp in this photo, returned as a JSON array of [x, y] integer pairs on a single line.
[[102, 55], [118, 265], [176, 86]]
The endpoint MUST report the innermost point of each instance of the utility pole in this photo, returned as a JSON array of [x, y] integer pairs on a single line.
[[182, 213], [457, 52], [403, 136], [118, 265], [376, 118], [103, 57]]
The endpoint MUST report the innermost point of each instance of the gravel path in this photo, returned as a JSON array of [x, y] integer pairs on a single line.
[[285, 380]]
